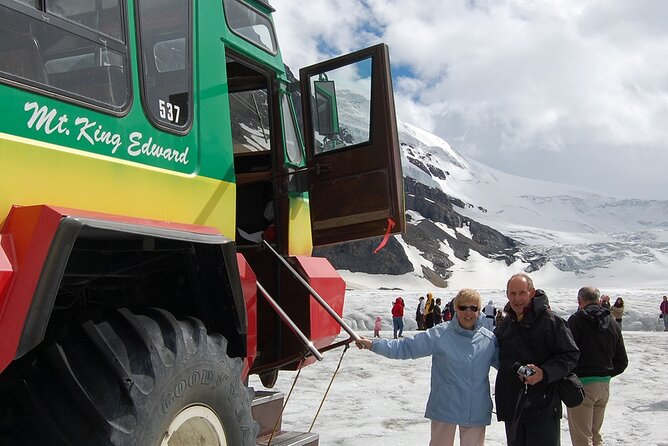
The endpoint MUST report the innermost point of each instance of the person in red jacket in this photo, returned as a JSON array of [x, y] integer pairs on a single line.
[[664, 312], [398, 317]]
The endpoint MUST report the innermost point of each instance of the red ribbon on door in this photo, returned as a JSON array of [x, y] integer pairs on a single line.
[[390, 224]]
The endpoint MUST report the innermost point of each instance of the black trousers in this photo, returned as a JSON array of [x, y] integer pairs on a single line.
[[533, 433]]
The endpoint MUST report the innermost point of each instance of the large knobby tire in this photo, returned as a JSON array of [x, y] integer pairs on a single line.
[[135, 380]]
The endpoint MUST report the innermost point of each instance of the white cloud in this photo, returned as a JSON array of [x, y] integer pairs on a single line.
[[568, 90]]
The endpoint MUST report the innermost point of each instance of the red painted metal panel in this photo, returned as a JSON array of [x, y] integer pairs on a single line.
[[332, 288], [207, 230], [249, 287], [7, 261], [32, 230]]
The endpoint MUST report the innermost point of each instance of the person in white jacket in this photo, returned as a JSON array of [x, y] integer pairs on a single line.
[[490, 315], [462, 352]]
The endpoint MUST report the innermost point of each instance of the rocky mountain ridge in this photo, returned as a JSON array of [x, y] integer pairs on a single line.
[[459, 210], [456, 207]]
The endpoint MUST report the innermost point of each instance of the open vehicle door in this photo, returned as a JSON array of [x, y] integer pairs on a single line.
[[352, 147]]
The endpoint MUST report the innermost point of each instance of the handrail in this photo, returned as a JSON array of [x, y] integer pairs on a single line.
[[289, 322], [354, 336]]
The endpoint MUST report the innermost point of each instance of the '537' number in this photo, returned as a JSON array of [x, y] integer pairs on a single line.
[[169, 111]]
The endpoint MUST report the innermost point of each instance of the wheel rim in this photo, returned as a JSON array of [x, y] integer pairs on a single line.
[[195, 426]]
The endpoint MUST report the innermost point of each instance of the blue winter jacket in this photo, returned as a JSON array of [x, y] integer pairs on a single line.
[[459, 369]]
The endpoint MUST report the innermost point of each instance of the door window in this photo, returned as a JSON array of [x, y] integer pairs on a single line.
[[341, 106], [249, 113]]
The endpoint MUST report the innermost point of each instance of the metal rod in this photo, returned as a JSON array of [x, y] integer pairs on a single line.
[[314, 293], [299, 357], [279, 365], [336, 345], [290, 323]]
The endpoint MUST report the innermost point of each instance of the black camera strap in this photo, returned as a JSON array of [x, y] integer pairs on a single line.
[[521, 404], [522, 399]]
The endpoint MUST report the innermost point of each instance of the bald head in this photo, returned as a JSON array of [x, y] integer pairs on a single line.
[[520, 291], [521, 277]]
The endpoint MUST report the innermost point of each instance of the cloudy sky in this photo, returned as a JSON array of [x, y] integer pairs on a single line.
[[574, 91]]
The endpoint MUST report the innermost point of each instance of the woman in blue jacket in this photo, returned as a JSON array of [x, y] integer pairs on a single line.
[[462, 352]]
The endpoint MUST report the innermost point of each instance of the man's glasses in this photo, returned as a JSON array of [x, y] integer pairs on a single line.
[[473, 308]]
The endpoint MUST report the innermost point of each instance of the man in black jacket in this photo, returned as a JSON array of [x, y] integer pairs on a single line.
[[533, 336], [603, 355]]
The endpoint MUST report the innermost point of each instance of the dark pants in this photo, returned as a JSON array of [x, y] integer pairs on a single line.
[[531, 433], [398, 325]]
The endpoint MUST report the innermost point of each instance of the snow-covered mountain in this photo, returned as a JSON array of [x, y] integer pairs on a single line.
[[575, 230], [469, 222], [472, 225]]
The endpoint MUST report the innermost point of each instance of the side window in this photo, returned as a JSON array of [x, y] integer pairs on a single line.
[[164, 28], [76, 49], [293, 146], [341, 107], [249, 113], [97, 16]]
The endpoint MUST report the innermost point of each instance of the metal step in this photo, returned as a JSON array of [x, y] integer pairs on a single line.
[[266, 408], [290, 439]]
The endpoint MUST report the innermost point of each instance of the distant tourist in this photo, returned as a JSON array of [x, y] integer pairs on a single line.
[[499, 317], [438, 314], [490, 313], [617, 310], [664, 312], [447, 312], [429, 311], [419, 314], [602, 356], [376, 327], [462, 352], [398, 317], [605, 301]]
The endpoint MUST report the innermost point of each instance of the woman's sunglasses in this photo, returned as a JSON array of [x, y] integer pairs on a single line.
[[473, 308]]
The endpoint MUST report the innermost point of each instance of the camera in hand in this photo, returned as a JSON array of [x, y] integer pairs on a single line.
[[523, 370]]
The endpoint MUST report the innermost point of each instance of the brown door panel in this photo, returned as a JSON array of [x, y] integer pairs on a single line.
[[354, 163]]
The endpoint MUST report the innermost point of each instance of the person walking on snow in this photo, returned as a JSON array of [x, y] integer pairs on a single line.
[[376, 327], [419, 314], [499, 317], [664, 312], [398, 317], [605, 301], [429, 312], [490, 314], [438, 314], [602, 357], [617, 310]]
